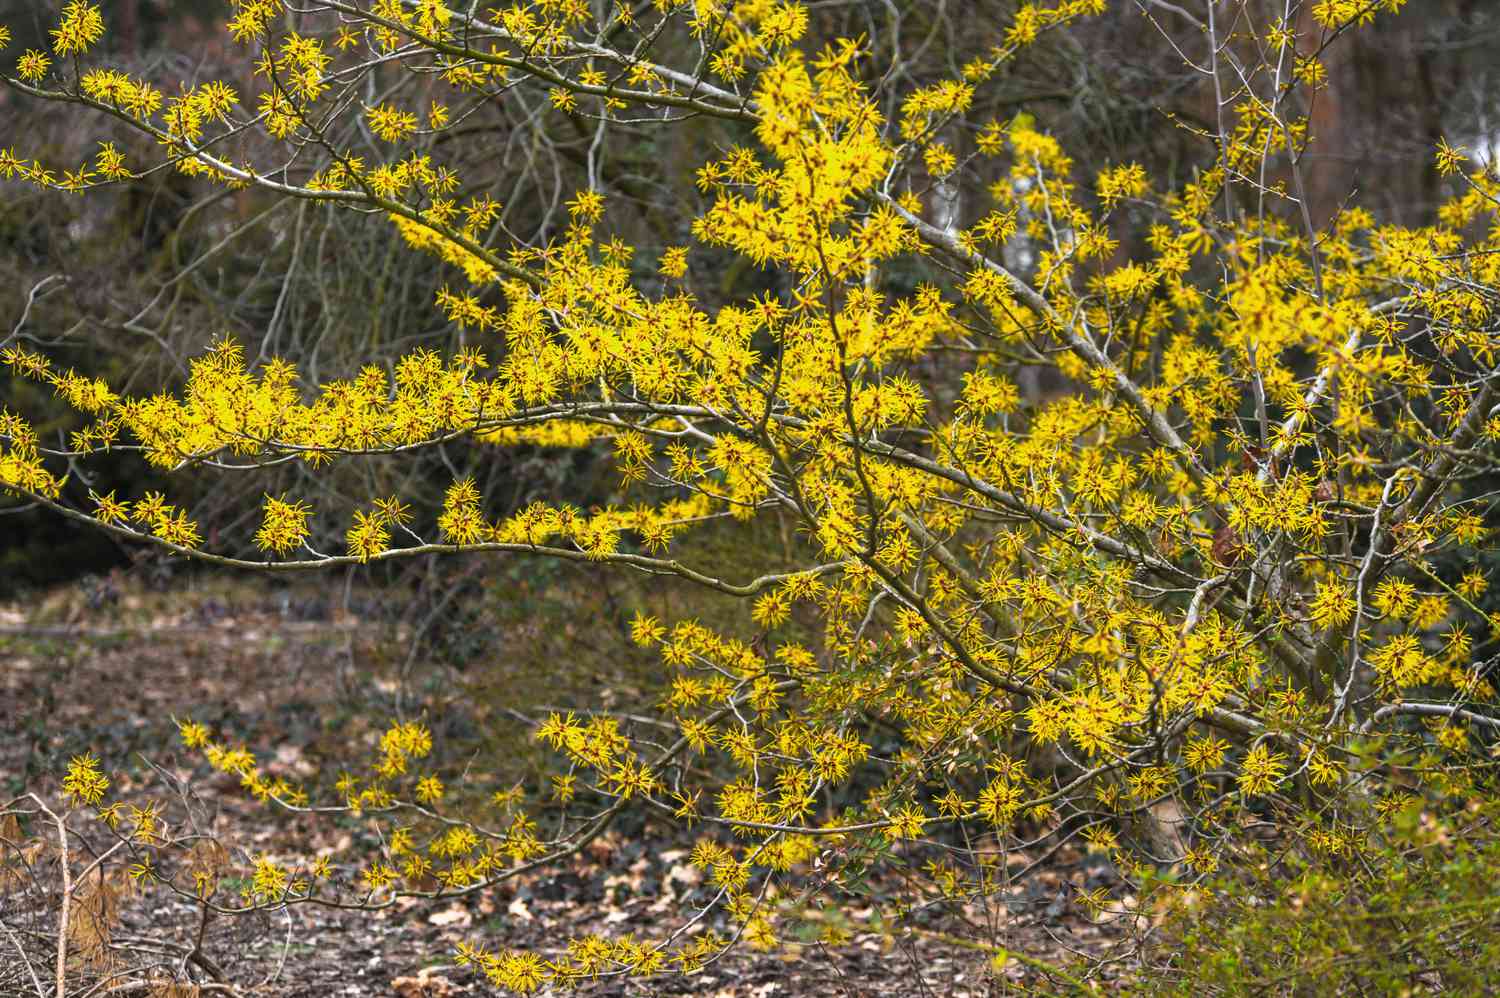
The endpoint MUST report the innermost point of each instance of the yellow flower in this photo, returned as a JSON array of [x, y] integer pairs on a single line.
[[1333, 605], [1261, 770], [907, 823], [109, 509], [367, 536], [110, 162], [1311, 72], [940, 160], [193, 734], [1203, 754], [587, 206], [674, 262], [429, 789], [1473, 584], [32, 66], [284, 526], [378, 875], [81, 26], [1120, 182], [1450, 159], [85, 783], [391, 123], [646, 630]]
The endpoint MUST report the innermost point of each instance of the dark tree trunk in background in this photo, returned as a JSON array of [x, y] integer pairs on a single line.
[[127, 20], [1394, 89]]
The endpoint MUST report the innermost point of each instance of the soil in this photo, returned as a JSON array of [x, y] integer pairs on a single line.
[[297, 677]]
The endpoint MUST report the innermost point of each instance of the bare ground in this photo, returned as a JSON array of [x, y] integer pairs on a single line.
[[298, 680]]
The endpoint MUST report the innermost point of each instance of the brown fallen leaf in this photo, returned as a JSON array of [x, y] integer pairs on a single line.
[[426, 984], [456, 915], [518, 909], [686, 874]]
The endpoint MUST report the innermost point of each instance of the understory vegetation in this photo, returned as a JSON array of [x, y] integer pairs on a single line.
[[747, 484]]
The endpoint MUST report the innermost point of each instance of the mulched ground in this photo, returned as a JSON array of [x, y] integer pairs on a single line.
[[286, 668]]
